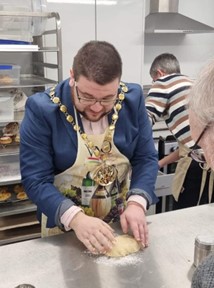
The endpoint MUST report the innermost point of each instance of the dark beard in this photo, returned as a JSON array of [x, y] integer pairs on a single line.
[[86, 117]]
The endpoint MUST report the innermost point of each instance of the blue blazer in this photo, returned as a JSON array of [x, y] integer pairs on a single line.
[[49, 146]]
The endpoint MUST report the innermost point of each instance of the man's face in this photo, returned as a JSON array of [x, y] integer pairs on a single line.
[[88, 96]]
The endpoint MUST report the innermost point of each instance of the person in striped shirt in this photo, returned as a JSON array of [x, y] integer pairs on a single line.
[[167, 100]]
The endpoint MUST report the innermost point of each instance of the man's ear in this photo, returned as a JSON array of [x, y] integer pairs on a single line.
[[72, 80], [161, 72]]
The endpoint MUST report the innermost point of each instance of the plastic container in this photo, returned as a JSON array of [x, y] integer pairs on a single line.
[[15, 27], [204, 245], [6, 106], [21, 28], [38, 23], [9, 74]]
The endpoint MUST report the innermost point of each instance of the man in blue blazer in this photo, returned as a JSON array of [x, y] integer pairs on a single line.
[[81, 142]]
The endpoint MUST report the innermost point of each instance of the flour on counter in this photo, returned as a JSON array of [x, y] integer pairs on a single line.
[[132, 259]]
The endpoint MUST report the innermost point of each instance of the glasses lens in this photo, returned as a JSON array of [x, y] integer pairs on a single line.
[[198, 155], [87, 101], [93, 101], [107, 102]]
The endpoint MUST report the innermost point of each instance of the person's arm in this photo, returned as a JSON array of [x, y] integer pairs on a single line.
[[171, 158], [38, 166], [156, 103], [37, 159], [144, 160], [144, 163]]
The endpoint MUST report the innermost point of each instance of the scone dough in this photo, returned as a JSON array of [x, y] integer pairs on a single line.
[[125, 245]]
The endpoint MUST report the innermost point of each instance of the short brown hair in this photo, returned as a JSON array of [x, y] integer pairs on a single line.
[[98, 61]]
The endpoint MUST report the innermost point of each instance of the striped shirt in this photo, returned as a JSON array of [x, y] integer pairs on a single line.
[[167, 100]]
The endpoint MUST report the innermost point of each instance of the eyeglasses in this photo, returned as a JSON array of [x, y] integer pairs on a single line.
[[92, 101], [198, 154]]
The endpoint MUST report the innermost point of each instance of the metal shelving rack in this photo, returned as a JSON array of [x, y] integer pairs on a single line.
[[18, 220]]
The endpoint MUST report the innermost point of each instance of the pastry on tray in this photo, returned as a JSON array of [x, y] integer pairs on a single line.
[[5, 195], [20, 193], [21, 196], [5, 140]]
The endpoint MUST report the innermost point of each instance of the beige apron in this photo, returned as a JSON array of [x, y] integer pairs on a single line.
[[180, 174], [102, 202]]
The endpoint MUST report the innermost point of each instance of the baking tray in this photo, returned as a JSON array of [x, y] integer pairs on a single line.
[[13, 198]]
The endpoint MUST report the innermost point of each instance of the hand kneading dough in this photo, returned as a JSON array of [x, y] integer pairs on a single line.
[[124, 245]]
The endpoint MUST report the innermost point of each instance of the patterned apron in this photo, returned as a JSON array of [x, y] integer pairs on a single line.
[[104, 202]]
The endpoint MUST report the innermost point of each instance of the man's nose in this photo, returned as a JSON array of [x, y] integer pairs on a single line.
[[97, 107]]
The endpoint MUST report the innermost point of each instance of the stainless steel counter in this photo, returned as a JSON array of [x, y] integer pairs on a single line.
[[61, 261]]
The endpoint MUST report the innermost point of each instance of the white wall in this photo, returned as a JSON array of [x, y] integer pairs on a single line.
[[78, 27], [192, 50], [120, 24], [123, 25]]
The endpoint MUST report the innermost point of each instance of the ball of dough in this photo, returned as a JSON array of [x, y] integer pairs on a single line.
[[125, 245]]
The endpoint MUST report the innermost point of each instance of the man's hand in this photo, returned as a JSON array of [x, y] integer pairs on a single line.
[[94, 233], [134, 218]]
